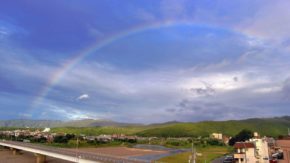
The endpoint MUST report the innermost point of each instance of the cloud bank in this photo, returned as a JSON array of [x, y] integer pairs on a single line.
[[230, 63]]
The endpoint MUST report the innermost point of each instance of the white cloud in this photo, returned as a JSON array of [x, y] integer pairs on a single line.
[[238, 85], [144, 15], [3, 32], [24, 115], [267, 89], [59, 111], [83, 96], [176, 9], [271, 21]]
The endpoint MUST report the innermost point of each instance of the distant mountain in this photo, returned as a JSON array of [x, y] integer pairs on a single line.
[[29, 123], [93, 123], [23, 123], [265, 126]]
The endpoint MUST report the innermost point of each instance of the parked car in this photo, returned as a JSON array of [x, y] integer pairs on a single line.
[[229, 159]]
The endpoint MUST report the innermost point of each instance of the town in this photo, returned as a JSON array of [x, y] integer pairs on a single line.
[[260, 149], [144, 81]]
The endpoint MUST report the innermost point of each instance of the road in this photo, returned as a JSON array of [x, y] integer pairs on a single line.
[[76, 155], [219, 160]]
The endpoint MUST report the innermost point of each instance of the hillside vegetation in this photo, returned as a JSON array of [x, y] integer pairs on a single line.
[[98, 130], [24, 123], [265, 126]]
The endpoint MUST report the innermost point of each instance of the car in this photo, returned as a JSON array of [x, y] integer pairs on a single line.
[[228, 159]]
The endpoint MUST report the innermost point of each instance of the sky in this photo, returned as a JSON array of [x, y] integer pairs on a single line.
[[144, 61]]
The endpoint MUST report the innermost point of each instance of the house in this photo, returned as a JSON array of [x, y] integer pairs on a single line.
[[244, 152], [90, 138], [226, 139], [104, 138], [218, 136], [46, 130], [255, 150]]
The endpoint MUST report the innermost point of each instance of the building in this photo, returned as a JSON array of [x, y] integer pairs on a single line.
[[283, 146], [261, 149], [256, 135], [255, 150], [104, 138], [218, 136], [244, 152], [46, 130], [226, 139]]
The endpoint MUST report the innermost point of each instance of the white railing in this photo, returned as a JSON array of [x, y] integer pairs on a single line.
[[82, 157]]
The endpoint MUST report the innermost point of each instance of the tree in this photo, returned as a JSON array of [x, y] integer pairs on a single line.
[[241, 136], [214, 142], [69, 136], [60, 139]]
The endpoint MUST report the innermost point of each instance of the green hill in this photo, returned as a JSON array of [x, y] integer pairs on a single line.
[[265, 126], [98, 130]]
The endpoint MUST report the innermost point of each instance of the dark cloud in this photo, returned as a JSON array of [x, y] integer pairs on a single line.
[[208, 90], [171, 110], [200, 110], [286, 89], [145, 73], [236, 79]]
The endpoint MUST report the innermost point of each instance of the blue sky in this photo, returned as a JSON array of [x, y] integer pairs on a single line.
[[166, 60]]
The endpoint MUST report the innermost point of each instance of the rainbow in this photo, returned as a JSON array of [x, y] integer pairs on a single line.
[[58, 75]]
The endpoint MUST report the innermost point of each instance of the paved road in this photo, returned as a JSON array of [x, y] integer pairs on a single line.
[[84, 155], [218, 160]]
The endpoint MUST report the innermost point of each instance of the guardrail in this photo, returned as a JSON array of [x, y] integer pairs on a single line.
[[69, 155]]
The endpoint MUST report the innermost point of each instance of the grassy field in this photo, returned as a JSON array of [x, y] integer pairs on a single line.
[[84, 144], [98, 130], [209, 153]]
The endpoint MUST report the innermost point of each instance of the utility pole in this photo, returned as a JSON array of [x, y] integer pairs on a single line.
[[77, 148], [192, 158], [193, 155]]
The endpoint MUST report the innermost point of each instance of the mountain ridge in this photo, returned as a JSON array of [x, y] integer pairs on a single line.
[[107, 122], [27, 123]]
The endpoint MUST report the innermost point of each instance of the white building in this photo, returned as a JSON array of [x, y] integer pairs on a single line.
[[254, 151], [218, 136], [262, 150], [46, 130]]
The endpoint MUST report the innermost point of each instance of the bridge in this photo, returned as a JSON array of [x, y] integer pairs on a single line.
[[41, 152]]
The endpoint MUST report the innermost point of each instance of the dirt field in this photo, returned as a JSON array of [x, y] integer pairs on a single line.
[[122, 151], [23, 157], [6, 155]]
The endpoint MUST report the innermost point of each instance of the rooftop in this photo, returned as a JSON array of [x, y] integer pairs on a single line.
[[244, 145]]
